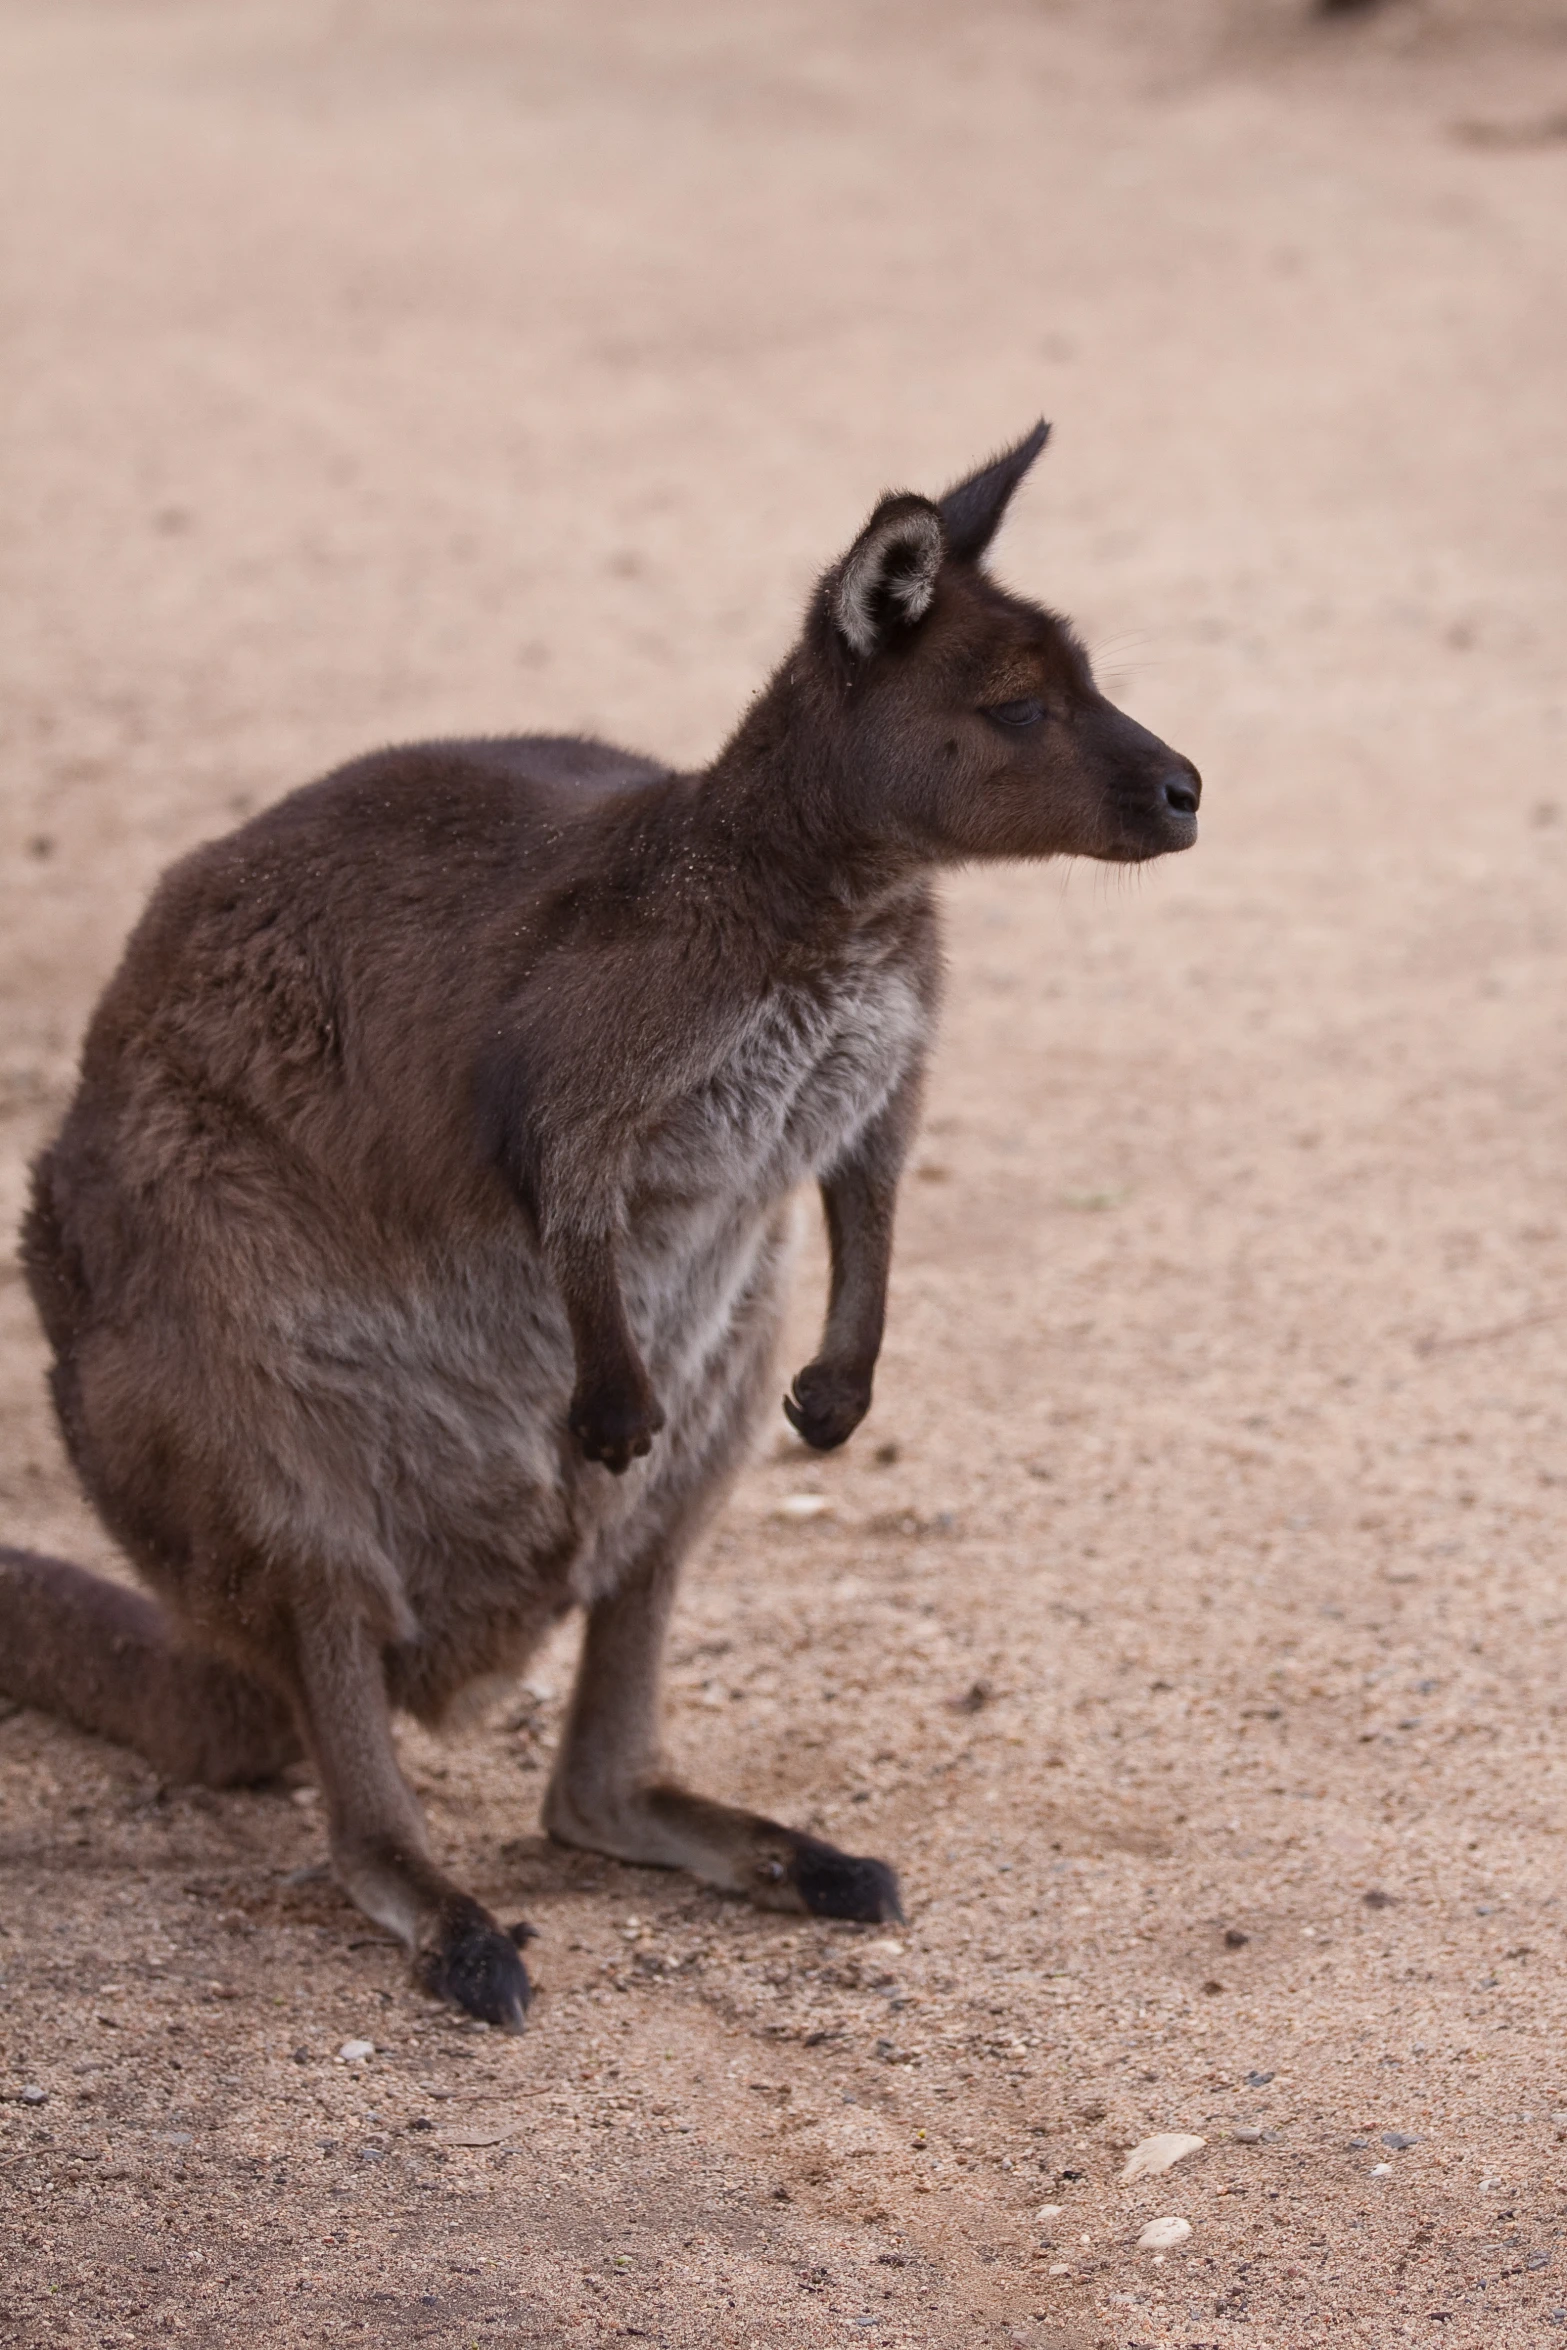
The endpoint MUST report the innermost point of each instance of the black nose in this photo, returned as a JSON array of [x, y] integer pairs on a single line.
[[1183, 790]]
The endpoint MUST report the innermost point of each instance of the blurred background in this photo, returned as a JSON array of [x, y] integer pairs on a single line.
[[372, 371]]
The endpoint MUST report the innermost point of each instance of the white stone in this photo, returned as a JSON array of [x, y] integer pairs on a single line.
[[1162, 2235], [355, 2051], [1049, 2211], [887, 1947], [1160, 2153], [1381, 2170], [804, 1505]]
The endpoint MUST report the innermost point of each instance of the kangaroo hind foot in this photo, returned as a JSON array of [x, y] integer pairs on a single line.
[[380, 1849], [610, 1794]]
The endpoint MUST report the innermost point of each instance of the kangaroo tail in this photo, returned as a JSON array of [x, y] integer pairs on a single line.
[[107, 1659]]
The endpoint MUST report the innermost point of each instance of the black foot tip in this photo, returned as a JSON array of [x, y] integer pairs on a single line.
[[834, 1884], [824, 1407], [478, 1969]]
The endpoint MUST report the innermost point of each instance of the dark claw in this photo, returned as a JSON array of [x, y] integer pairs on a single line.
[[615, 1430], [834, 1884], [477, 1968], [826, 1406]]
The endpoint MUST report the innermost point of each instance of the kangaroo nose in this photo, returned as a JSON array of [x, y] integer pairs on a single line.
[[1183, 790]]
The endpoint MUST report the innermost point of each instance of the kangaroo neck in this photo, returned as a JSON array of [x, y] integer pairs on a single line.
[[780, 820]]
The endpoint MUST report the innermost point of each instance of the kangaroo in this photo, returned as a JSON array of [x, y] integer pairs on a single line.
[[413, 1251]]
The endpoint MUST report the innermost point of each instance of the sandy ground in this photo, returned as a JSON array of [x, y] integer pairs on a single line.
[[1187, 1623]]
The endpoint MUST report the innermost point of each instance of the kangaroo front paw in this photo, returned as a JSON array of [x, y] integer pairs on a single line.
[[826, 1405], [615, 1426], [475, 1965], [803, 1873]]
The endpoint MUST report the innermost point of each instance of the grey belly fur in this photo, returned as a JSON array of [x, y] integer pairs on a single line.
[[423, 1448]]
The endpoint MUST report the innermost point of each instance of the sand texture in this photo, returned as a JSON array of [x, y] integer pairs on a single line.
[[1187, 1623]]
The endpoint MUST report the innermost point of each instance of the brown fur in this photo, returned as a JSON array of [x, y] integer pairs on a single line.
[[413, 1250]]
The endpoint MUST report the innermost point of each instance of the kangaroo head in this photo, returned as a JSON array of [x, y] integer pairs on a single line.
[[975, 726]]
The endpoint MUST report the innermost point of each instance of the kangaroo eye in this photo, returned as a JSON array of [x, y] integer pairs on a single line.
[[1027, 713]]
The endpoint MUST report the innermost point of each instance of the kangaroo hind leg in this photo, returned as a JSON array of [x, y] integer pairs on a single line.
[[380, 1850], [108, 1659], [610, 1792]]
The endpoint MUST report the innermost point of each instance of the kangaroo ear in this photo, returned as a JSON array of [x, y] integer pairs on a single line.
[[888, 577], [971, 512]]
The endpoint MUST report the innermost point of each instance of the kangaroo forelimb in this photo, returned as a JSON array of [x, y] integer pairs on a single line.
[[832, 1395], [559, 1155], [614, 1412]]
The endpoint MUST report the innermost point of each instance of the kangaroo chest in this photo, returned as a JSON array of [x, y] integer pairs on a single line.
[[806, 1068]]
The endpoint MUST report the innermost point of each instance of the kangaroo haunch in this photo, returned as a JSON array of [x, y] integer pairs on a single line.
[[414, 1249]]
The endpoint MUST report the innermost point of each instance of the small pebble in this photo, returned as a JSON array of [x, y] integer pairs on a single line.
[[305, 1796], [1247, 2134], [33, 2095], [1162, 2235], [1059, 2268], [355, 2051], [1049, 2211], [886, 1947], [1160, 2153], [803, 1505], [1398, 2141]]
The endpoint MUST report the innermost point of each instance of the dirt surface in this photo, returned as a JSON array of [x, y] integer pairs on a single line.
[[1187, 1624]]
